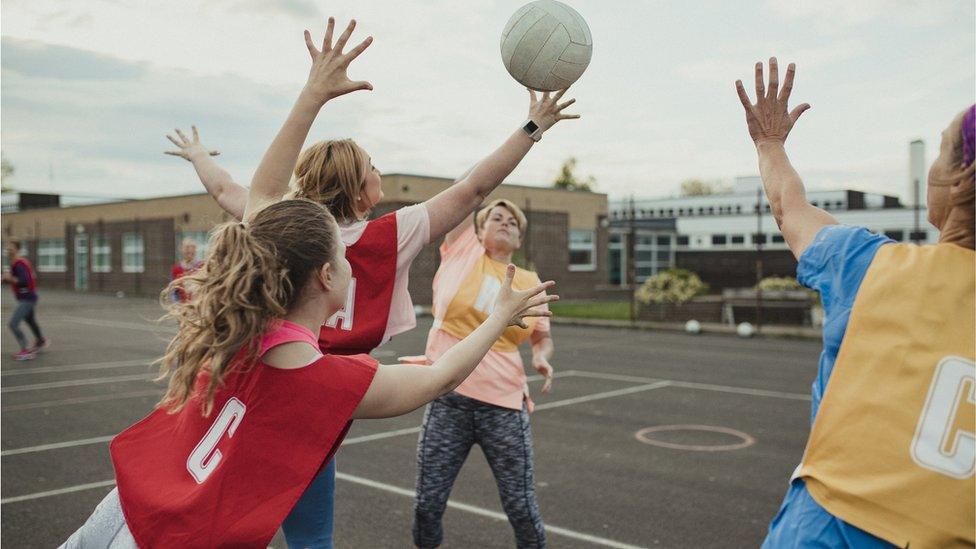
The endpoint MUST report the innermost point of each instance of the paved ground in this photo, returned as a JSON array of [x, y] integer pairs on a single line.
[[599, 484]]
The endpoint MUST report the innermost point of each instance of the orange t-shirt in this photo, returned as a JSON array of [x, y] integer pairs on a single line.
[[465, 287]]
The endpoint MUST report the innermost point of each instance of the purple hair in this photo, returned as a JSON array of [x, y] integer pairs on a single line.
[[969, 137]]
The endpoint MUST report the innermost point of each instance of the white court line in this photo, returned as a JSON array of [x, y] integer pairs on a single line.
[[58, 492], [740, 390], [380, 436], [613, 377], [599, 396], [474, 509], [146, 327], [77, 367], [76, 383], [80, 400], [56, 445]]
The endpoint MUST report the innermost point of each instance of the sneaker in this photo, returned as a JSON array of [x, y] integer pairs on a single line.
[[41, 344], [25, 354]]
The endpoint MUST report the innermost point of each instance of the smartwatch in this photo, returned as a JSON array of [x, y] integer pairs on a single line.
[[532, 130]]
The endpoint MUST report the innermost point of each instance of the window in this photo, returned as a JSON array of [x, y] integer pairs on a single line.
[[51, 255], [711, 209], [918, 236], [670, 212], [759, 238], [738, 209], [582, 250], [682, 240], [133, 253], [897, 236], [701, 211], [664, 241], [681, 211], [778, 239], [738, 239], [718, 239], [101, 254]]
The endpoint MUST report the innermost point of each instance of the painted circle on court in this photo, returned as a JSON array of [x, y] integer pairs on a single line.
[[646, 435]]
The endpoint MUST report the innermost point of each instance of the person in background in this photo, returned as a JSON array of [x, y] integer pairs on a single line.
[[188, 264], [24, 284]]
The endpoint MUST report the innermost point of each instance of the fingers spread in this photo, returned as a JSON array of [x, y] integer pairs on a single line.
[[743, 96], [510, 276], [760, 85], [800, 109], [196, 134], [784, 94], [174, 141], [309, 45], [560, 93], [174, 153], [183, 137], [214, 153], [773, 78], [355, 52], [532, 97], [344, 37], [327, 41], [567, 116], [561, 106]]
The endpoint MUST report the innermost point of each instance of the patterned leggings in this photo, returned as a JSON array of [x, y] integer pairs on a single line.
[[452, 424]]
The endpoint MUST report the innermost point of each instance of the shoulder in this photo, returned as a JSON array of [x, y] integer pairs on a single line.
[[838, 258]]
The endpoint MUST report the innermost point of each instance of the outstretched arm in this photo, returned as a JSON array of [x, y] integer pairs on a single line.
[[451, 206], [221, 186], [401, 388], [769, 125], [326, 80]]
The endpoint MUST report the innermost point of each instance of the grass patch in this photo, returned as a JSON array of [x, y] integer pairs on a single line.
[[608, 310]]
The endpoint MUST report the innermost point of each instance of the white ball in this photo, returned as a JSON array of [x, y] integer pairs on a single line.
[[546, 45], [693, 327], [744, 329]]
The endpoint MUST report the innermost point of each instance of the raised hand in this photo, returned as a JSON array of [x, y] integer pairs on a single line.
[[189, 148], [514, 305], [327, 78], [547, 111], [769, 119]]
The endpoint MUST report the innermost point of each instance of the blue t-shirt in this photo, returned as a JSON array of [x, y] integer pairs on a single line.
[[835, 264]]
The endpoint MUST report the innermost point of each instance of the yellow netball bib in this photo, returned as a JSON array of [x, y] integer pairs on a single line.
[[476, 299], [893, 448]]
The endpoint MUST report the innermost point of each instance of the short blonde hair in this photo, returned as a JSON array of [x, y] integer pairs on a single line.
[[508, 205]]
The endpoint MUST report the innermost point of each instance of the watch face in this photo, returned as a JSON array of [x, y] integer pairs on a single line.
[[531, 127]]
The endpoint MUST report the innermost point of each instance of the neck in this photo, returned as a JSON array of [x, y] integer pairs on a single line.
[[958, 229], [503, 256], [309, 315]]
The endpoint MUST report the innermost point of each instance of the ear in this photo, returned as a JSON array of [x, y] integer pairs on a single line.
[[325, 277]]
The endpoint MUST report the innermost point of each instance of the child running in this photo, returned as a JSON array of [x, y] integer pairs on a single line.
[[491, 407], [24, 285], [253, 409], [341, 175], [890, 457]]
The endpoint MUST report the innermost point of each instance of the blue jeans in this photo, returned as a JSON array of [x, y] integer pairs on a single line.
[[24, 312], [310, 522]]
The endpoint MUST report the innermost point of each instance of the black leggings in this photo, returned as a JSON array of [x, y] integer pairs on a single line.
[[452, 424]]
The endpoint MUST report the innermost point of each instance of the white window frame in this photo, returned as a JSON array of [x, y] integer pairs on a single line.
[[101, 246], [51, 255], [582, 247], [133, 247]]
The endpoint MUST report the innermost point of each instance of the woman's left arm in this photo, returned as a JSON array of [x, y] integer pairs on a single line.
[[454, 204], [542, 350]]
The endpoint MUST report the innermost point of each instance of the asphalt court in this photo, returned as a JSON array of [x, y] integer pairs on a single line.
[[598, 482]]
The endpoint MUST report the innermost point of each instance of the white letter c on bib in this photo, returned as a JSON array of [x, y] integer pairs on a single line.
[[230, 417]]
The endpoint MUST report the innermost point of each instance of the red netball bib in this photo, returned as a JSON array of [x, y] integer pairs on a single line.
[[231, 478], [360, 325]]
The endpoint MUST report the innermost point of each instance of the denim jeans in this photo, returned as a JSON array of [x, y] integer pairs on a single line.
[[310, 523]]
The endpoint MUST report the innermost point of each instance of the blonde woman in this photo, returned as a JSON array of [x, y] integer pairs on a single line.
[[491, 407], [341, 175]]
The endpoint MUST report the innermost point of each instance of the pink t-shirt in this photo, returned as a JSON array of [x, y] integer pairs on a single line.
[[465, 288], [413, 233]]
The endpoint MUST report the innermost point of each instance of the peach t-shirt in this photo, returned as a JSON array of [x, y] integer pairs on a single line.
[[465, 287]]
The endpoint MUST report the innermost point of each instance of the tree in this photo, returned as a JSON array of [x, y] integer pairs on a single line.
[[697, 187], [6, 170], [567, 178]]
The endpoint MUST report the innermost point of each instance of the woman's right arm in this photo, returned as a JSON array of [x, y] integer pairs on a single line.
[[398, 389], [219, 184]]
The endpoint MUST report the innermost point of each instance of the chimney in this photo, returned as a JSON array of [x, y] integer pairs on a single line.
[[916, 173]]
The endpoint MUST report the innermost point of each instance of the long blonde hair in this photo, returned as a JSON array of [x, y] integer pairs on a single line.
[[251, 275], [332, 173]]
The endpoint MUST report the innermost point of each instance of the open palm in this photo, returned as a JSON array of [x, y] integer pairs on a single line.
[[327, 78], [769, 119]]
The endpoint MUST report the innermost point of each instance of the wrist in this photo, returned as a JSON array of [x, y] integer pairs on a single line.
[[769, 144], [311, 100]]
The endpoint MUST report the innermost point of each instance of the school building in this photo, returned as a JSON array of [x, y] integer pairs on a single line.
[[130, 246]]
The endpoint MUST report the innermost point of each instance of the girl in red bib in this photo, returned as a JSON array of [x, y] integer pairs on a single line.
[[254, 409], [341, 175]]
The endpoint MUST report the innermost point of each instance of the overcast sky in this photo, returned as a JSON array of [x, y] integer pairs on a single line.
[[90, 88]]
